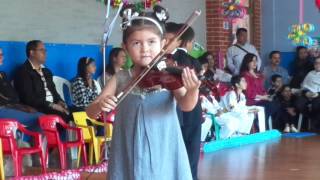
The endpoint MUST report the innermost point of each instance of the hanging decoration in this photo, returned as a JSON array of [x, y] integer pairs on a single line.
[[140, 5], [299, 32], [318, 4], [151, 3], [233, 10], [116, 3]]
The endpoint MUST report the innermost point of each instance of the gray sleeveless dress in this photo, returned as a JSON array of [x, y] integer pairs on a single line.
[[147, 143]]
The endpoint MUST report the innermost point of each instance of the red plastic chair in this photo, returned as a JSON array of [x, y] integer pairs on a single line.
[[48, 125], [8, 129]]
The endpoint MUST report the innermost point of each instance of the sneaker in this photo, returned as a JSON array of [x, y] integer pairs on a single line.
[[286, 129], [293, 129]]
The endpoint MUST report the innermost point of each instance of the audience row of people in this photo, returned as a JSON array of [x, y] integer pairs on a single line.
[[274, 89], [34, 91]]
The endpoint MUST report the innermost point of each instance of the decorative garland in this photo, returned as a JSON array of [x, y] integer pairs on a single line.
[[141, 5], [116, 3], [72, 174]]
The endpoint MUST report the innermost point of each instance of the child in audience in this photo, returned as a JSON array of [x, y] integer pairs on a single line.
[[288, 112], [212, 72], [228, 121], [147, 141], [235, 102], [276, 84]]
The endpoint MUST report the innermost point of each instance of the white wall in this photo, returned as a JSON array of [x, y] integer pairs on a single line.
[[77, 21]]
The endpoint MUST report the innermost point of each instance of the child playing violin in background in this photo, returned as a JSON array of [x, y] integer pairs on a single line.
[[190, 121], [147, 141]]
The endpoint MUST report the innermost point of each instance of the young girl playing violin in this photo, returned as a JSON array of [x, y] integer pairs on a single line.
[[147, 141]]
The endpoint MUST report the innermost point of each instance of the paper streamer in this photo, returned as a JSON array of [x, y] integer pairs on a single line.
[[72, 174]]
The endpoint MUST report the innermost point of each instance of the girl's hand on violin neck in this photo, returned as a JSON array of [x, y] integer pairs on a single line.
[[108, 103], [190, 79]]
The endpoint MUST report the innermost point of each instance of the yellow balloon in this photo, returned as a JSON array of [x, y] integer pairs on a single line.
[[301, 33]]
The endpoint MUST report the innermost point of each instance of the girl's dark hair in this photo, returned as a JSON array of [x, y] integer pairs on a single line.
[[83, 63], [140, 24], [279, 94], [248, 58], [113, 54], [299, 48], [235, 80], [131, 24], [283, 88], [187, 36]]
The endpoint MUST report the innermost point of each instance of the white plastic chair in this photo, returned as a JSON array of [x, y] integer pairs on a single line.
[[99, 80], [270, 122], [59, 83], [97, 84]]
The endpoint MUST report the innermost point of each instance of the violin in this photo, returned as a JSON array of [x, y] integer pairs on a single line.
[[211, 87], [165, 75]]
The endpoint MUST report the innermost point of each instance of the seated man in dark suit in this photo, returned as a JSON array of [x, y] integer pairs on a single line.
[[34, 83], [10, 106]]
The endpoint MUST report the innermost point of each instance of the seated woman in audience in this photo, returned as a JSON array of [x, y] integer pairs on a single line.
[[84, 88], [256, 93], [288, 112], [213, 73], [276, 84], [302, 65], [309, 101], [10, 106], [117, 59]]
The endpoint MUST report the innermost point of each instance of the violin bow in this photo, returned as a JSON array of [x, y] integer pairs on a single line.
[[121, 95]]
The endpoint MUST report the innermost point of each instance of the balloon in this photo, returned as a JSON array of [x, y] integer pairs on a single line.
[[317, 3], [233, 10], [298, 34]]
